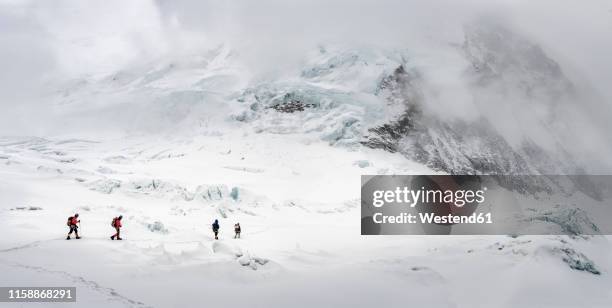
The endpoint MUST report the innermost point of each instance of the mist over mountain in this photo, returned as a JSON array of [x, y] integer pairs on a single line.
[[435, 86]]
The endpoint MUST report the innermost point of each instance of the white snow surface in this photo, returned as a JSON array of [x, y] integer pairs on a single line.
[[298, 203]]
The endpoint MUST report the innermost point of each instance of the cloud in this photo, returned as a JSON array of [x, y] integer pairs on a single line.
[[26, 59], [105, 35]]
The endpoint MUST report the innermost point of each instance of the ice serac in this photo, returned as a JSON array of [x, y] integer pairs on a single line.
[[333, 98]]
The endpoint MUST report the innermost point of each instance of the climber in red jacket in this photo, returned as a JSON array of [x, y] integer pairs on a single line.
[[116, 223], [72, 224]]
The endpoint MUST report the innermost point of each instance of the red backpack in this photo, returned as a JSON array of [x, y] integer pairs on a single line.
[[114, 222]]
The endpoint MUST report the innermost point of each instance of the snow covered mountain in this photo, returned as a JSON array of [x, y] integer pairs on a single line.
[[174, 143], [514, 107]]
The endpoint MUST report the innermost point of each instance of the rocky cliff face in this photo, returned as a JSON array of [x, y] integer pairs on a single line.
[[499, 61], [457, 146]]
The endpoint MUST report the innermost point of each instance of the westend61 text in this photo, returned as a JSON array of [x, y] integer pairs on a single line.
[[429, 218]]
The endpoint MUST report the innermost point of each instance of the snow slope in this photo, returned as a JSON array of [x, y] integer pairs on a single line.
[[301, 245]]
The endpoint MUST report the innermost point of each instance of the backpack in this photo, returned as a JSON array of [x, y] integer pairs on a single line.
[[114, 222], [69, 220]]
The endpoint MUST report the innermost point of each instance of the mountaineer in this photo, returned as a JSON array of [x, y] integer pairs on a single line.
[[116, 223], [237, 230], [72, 224], [215, 228]]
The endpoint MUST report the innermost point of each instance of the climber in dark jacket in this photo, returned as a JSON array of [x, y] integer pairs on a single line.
[[215, 228], [237, 229]]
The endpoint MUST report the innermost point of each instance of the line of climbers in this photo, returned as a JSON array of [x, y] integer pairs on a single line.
[[216, 227], [74, 223]]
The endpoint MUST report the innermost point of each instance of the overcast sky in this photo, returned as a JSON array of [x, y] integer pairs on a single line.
[[56, 40], [81, 36]]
